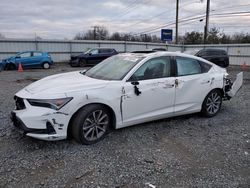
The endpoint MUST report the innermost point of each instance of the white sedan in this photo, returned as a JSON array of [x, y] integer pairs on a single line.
[[121, 91]]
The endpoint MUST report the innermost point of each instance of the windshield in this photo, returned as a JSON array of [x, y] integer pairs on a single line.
[[113, 68], [86, 52]]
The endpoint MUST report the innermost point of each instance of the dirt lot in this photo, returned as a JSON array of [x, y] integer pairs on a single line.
[[187, 151]]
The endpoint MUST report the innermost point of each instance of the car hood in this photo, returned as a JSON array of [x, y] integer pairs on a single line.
[[8, 59], [61, 85]]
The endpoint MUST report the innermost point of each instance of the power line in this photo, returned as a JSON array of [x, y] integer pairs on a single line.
[[135, 5], [158, 15], [218, 15]]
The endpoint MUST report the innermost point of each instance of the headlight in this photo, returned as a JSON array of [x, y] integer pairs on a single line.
[[55, 104]]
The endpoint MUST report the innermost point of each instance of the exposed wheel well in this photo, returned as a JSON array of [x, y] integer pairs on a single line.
[[111, 111], [220, 90]]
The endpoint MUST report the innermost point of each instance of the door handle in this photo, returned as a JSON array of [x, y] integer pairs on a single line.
[[176, 82], [205, 81], [166, 85]]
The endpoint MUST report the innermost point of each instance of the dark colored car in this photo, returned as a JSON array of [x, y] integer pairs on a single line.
[[92, 56], [147, 51], [159, 49], [216, 56], [28, 59]]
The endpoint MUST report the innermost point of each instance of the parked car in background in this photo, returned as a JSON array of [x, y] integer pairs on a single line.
[[121, 91], [159, 49], [92, 56], [149, 50], [216, 56], [28, 59]]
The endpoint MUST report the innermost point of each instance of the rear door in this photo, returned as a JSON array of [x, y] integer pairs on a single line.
[[193, 83], [35, 59], [104, 54]]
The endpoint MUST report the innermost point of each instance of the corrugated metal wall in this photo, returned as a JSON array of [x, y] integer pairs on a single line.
[[238, 53], [60, 50]]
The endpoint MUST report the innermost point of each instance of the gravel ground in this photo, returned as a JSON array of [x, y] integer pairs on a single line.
[[186, 151]]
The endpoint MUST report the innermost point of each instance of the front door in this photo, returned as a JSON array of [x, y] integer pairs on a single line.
[[150, 93], [24, 59]]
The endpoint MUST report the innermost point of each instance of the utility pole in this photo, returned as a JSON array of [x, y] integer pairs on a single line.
[[207, 21], [176, 21], [94, 32]]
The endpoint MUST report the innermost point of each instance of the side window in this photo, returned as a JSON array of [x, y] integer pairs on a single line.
[[102, 51], [215, 53], [37, 54], [187, 66], [152, 69], [24, 55], [109, 50], [204, 67], [201, 53], [94, 51]]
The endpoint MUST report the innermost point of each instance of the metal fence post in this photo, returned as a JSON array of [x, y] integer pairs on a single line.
[[125, 46], [70, 47], [36, 45]]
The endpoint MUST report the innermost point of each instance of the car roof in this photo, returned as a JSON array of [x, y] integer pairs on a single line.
[[164, 53], [32, 51], [102, 48], [212, 49]]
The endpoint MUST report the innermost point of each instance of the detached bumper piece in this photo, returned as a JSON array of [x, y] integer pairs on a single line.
[[21, 126], [235, 87]]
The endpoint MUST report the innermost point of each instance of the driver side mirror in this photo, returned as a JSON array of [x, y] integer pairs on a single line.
[[90, 53], [135, 83], [136, 89], [18, 57]]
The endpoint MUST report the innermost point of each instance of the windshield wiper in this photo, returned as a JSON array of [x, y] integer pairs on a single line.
[[83, 72]]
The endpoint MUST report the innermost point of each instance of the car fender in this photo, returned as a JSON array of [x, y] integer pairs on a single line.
[[91, 98]]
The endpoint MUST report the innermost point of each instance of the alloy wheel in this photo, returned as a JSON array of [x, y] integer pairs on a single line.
[[95, 125], [213, 103]]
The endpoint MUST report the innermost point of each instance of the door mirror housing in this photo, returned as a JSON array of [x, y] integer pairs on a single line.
[[135, 83], [18, 57], [136, 89]]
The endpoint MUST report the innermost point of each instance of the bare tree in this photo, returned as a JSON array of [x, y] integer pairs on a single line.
[[2, 36]]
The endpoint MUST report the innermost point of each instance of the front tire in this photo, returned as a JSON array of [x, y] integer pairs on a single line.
[[82, 62], [10, 66], [212, 103], [91, 124]]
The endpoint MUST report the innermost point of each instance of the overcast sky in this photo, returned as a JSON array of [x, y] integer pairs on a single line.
[[59, 19]]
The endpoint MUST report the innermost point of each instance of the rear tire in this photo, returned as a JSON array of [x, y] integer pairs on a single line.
[[212, 103], [91, 124], [46, 65]]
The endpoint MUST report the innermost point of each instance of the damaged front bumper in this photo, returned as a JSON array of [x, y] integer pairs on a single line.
[[40, 123], [230, 89]]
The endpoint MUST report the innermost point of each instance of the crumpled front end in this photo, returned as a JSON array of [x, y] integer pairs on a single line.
[[40, 123]]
